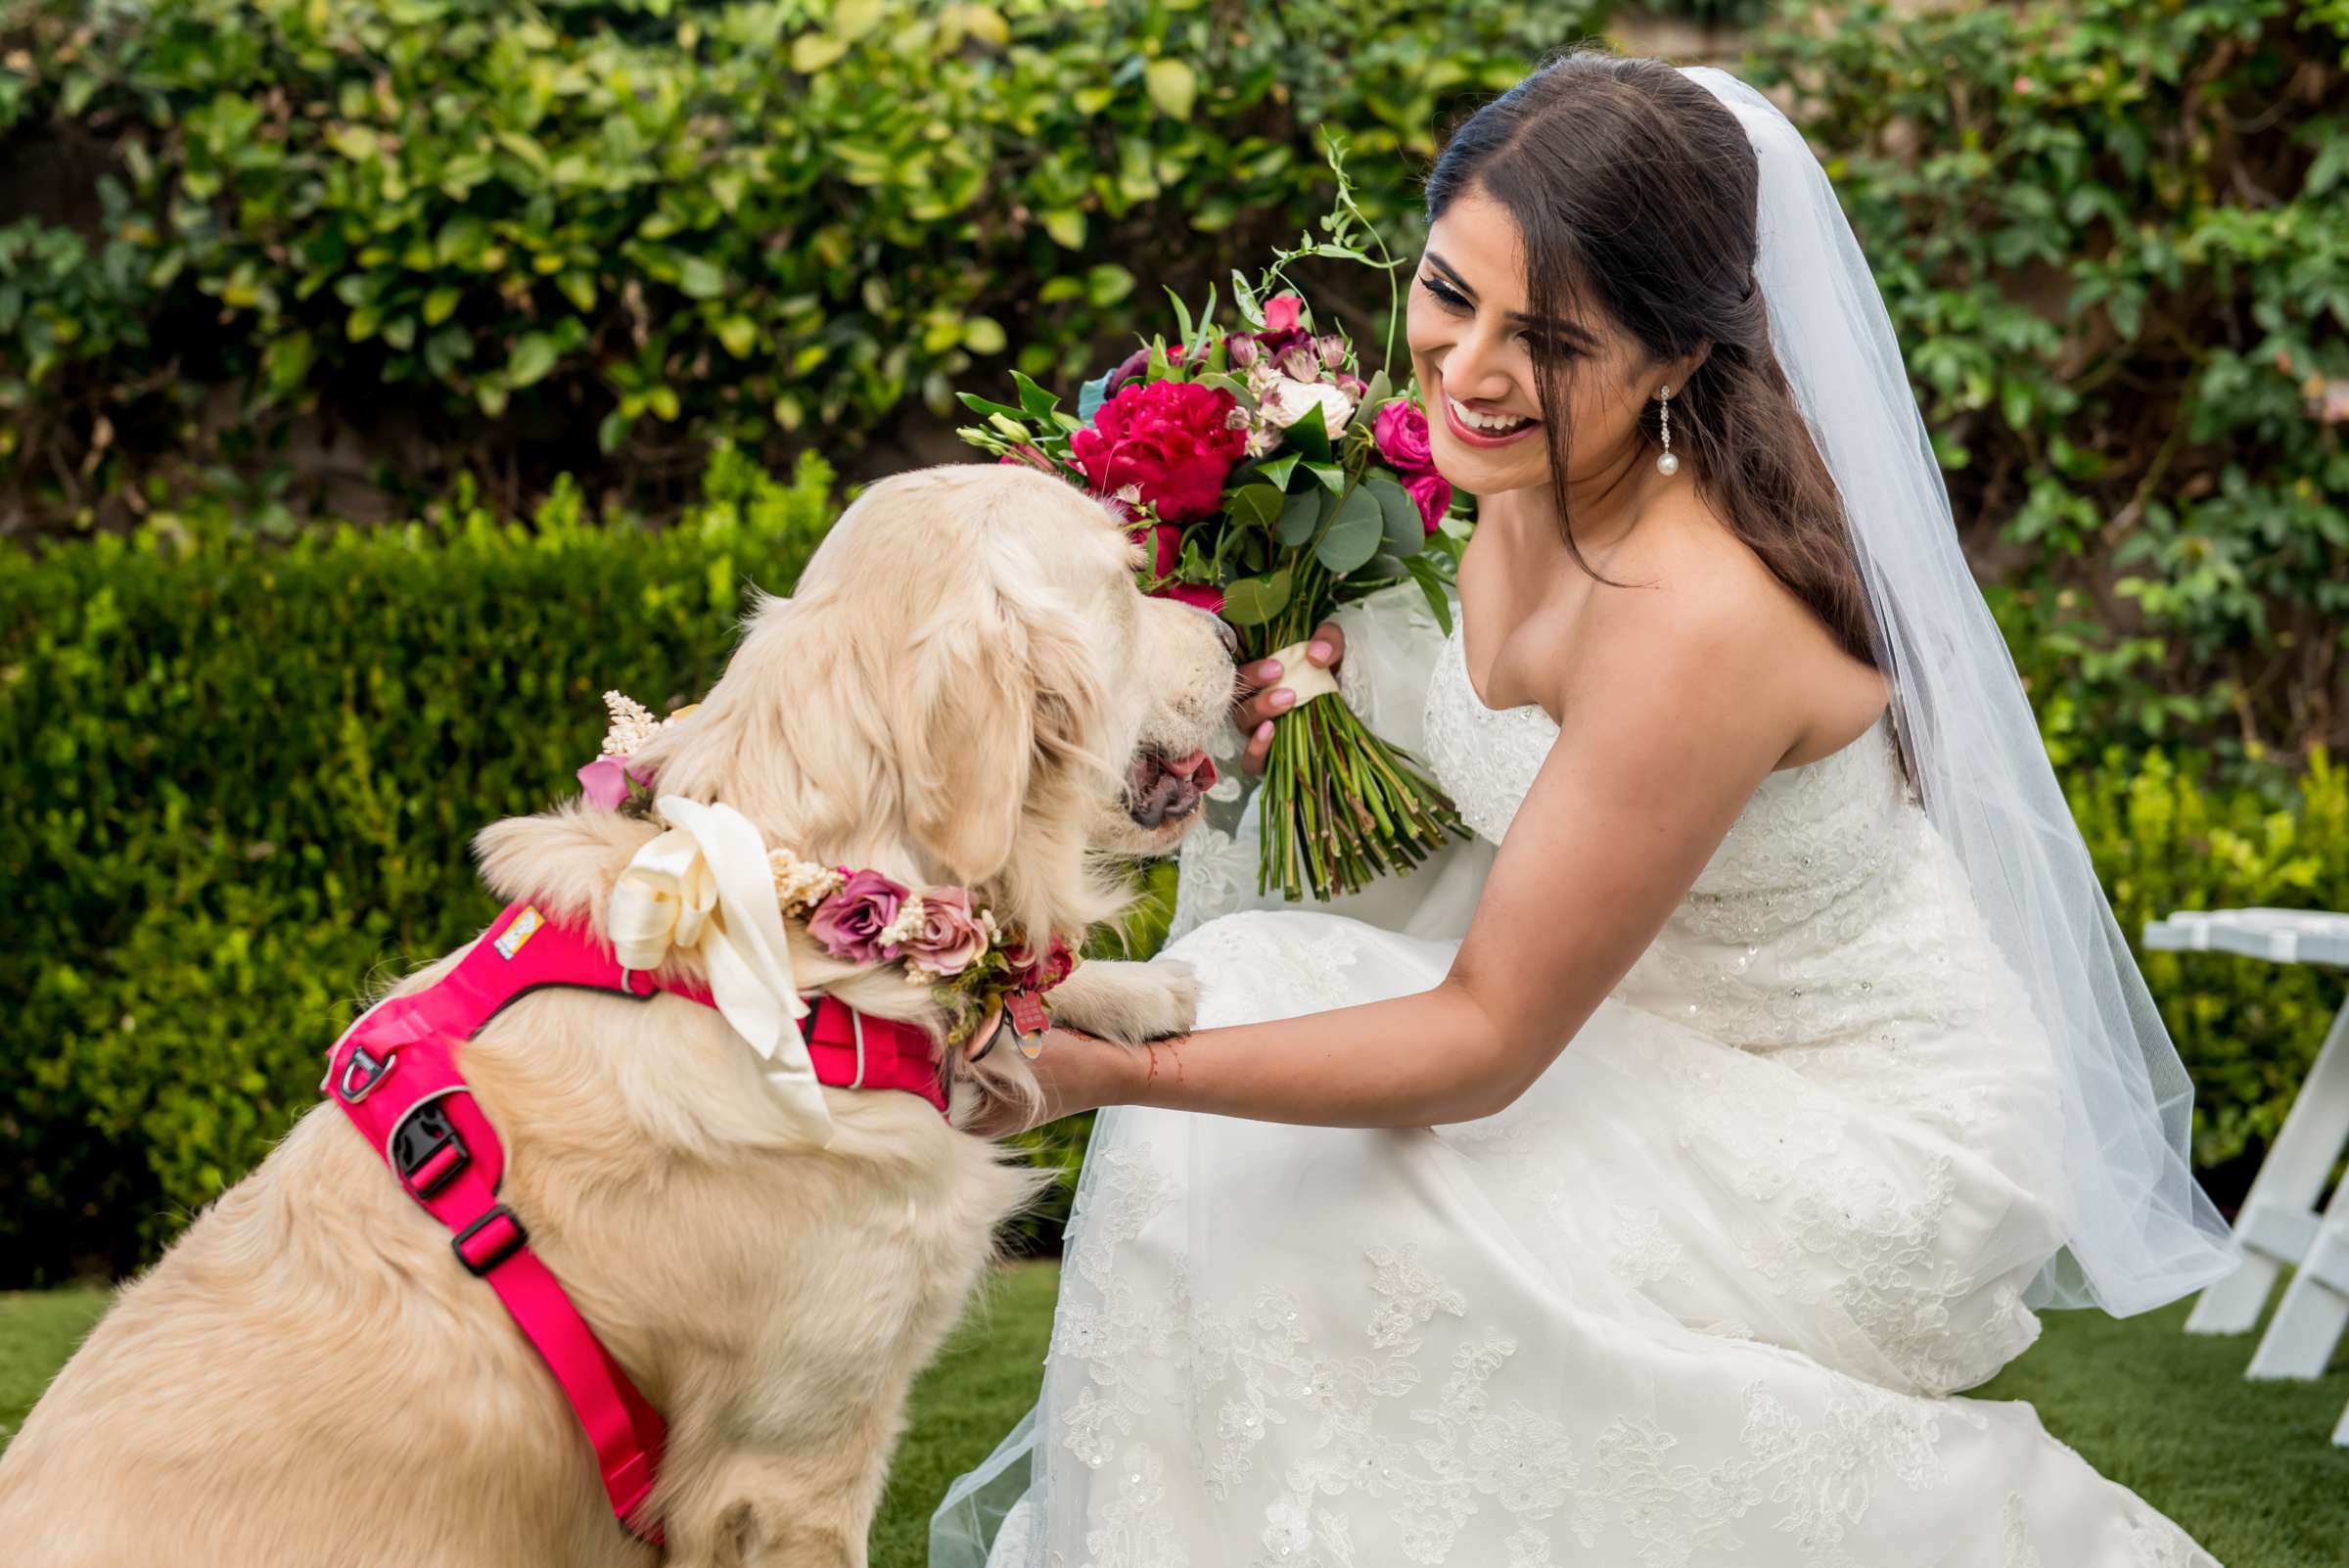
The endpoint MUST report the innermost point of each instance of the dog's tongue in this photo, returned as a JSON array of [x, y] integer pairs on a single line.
[[1197, 766]]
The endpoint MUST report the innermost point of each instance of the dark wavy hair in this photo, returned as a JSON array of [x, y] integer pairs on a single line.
[[1636, 191]]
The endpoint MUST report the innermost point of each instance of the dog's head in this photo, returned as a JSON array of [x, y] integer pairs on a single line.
[[967, 687]]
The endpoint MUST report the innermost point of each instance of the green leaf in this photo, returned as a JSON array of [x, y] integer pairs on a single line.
[[439, 304], [1276, 471], [740, 335], [1353, 536], [984, 334], [1172, 85], [533, 359], [1407, 532], [1183, 314], [812, 52], [1311, 436], [612, 430], [1066, 225], [1332, 476], [1258, 505], [1033, 399], [1300, 518], [702, 278], [1252, 601], [1431, 583]]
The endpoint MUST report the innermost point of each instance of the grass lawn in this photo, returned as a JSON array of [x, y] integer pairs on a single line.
[[2248, 1467]]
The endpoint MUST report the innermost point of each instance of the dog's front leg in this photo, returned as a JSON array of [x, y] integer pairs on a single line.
[[1129, 1002], [769, 1513]]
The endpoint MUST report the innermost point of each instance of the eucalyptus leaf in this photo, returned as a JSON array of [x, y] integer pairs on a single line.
[[1252, 601], [1300, 518], [1431, 583], [1094, 395], [1353, 536], [1259, 505], [1406, 535]]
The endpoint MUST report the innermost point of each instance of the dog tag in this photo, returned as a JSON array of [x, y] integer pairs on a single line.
[[1028, 1020]]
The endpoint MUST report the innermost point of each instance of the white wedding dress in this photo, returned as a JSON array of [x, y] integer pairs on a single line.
[[1700, 1296]]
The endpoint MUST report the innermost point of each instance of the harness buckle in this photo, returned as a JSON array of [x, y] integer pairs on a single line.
[[362, 1072], [502, 1236], [426, 1151]]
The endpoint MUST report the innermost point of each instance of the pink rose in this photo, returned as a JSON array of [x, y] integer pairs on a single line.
[[950, 938], [1433, 492], [1284, 330], [1400, 430], [849, 924], [605, 781]]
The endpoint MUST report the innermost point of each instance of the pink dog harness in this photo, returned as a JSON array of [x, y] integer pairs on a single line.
[[394, 1074]]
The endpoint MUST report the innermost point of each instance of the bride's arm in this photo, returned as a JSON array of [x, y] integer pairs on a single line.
[[1675, 718]]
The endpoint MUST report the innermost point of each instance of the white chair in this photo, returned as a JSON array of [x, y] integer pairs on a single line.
[[2280, 1223]]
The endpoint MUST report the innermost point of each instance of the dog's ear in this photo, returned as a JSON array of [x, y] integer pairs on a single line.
[[1006, 708]]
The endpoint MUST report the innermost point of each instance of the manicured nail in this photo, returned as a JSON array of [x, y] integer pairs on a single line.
[[1264, 731], [1280, 699], [1269, 669], [1319, 653]]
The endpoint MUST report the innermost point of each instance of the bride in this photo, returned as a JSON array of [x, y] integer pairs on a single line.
[[1639, 1182]]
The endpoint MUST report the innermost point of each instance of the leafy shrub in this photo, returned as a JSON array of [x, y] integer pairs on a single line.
[[2115, 239], [641, 223], [2164, 838]]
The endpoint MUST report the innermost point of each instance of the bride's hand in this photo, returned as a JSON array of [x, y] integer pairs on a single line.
[[1262, 701], [1073, 1072]]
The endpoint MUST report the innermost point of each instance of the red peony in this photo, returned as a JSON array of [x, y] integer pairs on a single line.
[[1171, 439]]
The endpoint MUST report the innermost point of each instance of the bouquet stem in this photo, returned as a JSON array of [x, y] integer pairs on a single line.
[[1341, 808]]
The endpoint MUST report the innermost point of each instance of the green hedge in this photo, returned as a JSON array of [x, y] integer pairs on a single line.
[[646, 222], [2114, 237], [2164, 838]]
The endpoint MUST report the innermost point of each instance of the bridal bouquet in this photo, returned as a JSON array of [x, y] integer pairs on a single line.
[[1273, 482]]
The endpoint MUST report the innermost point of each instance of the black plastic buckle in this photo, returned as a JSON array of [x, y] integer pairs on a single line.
[[426, 1149], [362, 1072], [512, 1244]]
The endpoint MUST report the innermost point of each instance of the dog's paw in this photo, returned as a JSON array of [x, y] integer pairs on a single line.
[[1128, 1001]]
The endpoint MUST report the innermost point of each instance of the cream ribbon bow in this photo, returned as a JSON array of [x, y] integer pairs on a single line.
[[705, 885]]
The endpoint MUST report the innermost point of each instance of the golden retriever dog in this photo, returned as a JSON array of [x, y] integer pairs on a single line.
[[967, 687]]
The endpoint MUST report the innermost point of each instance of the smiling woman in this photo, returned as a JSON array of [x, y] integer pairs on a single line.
[[1581, 310], [1648, 1177]]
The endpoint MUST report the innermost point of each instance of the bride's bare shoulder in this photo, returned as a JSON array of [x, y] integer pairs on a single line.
[[1691, 602]]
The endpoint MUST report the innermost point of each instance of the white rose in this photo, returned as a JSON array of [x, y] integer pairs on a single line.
[[1285, 402]]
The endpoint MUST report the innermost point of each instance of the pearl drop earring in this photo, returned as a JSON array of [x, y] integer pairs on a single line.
[[1667, 465]]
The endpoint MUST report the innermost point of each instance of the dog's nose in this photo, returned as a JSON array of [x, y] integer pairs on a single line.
[[1223, 632]]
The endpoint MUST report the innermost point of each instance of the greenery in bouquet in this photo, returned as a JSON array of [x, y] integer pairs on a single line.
[[1272, 482]]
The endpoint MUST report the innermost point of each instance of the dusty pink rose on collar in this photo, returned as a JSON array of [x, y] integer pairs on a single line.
[[849, 924], [951, 937]]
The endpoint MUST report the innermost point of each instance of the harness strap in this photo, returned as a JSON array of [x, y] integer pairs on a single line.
[[394, 1074]]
